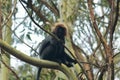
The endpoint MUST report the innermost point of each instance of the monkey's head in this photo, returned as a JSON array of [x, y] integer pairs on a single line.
[[60, 30]]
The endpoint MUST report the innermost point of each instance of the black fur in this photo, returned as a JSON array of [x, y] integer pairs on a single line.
[[53, 50]]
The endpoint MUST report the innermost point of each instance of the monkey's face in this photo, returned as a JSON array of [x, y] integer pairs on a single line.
[[61, 32]]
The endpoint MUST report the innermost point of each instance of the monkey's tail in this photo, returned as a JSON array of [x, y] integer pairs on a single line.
[[38, 73]]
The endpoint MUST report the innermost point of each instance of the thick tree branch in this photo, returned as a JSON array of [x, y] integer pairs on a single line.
[[37, 62]]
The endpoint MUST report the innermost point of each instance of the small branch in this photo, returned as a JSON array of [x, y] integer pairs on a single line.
[[36, 10], [111, 28], [116, 54], [114, 14], [50, 7], [117, 14], [37, 62], [113, 20], [57, 10]]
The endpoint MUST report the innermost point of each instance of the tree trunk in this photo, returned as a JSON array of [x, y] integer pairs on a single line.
[[6, 36], [67, 15]]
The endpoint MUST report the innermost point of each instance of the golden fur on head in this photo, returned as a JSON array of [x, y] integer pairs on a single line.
[[59, 24]]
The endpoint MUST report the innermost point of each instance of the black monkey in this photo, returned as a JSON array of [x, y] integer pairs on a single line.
[[53, 50]]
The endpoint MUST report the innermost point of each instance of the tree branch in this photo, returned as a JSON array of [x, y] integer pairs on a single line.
[[54, 10], [107, 48], [36, 62], [37, 12], [113, 20], [92, 16], [117, 14]]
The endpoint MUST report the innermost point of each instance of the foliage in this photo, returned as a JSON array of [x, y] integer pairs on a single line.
[[88, 46]]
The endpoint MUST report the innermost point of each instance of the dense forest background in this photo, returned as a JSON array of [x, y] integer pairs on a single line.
[[93, 38]]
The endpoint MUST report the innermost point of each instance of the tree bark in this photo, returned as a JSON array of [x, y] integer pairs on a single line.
[[6, 36]]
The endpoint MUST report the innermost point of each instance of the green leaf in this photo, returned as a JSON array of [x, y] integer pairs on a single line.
[[28, 36]]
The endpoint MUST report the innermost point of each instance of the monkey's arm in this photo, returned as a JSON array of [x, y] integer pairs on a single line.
[[43, 45]]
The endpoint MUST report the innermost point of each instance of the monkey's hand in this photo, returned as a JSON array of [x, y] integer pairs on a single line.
[[75, 61]]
